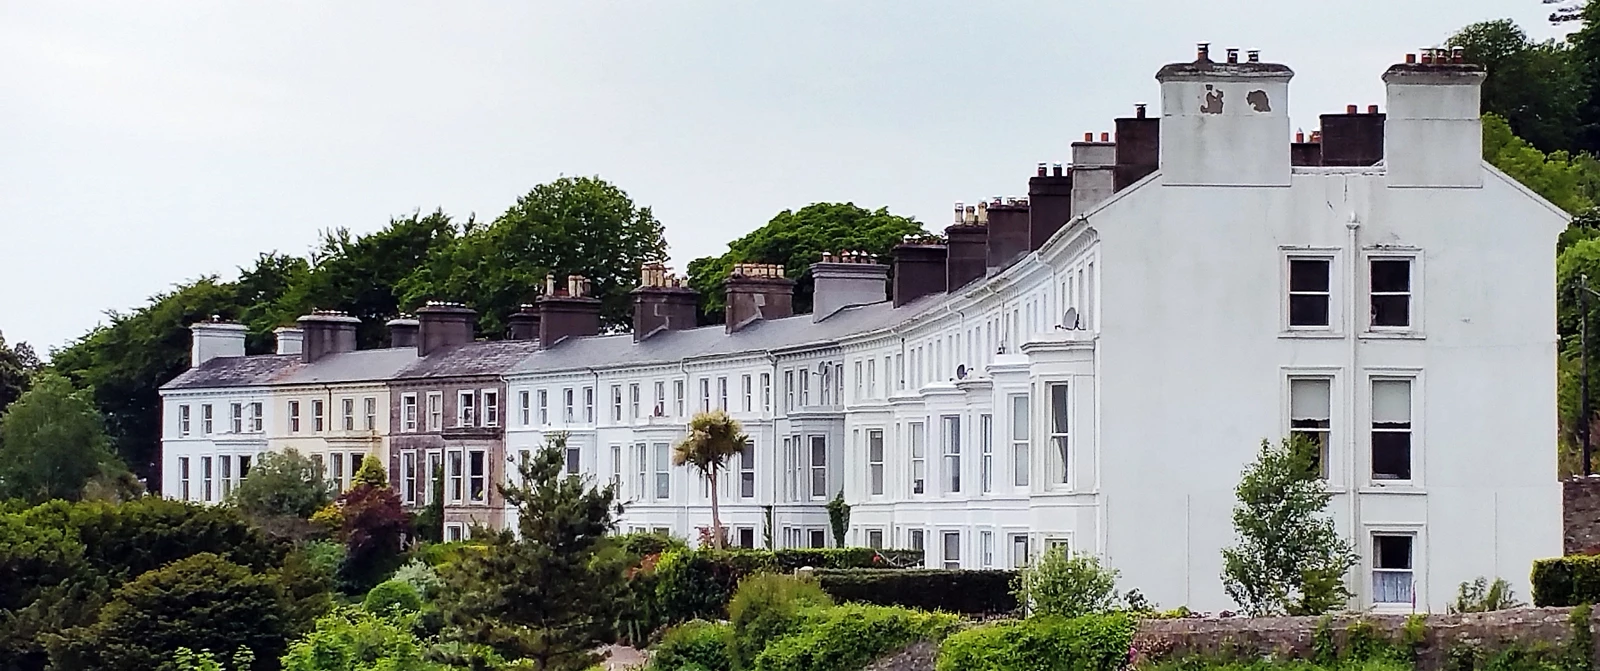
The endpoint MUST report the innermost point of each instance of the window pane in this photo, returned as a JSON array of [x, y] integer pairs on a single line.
[[1391, 275], [1310, 399], [1308, 275], [1308, 310], [1392, 310], [1391, 402], [1019, 417], [1058, 408], [1391, 455], [1391, 552]]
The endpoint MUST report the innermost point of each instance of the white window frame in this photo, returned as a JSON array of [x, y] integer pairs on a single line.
[[454, 532], [917, 437], [746, 392], [1021, 414], [1414, 259], [1303, 374], [616, 470], [408, 413], [1416, 572], [986, 447], [257, 421], [572, 460], [815, 469], [766, 392], [722, 393], [1059, 434], [435, 411], [875, 462], [874, 538], [616, 403], [524, 407], [641, 467], [662, 455], [408, 477], [544, 406], [225, 474], [183, 420], [588, 405], [951, 557], [184, 490], [634, 401], [466, 408], [347, 413], [455, 476], [986, 549], [478, 483], [1022, 545], [294, 416], [490, 410], [677, 398], [705, 394], [950, 442], [1335, 296], [788, 391], [207, 419], [369, 407], [747, 470], [206, 474], [569, 405], [318, 416], [659, 407], [236, 417], [1413, 376]]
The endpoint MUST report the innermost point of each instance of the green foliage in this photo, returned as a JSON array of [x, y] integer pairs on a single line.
[[259, 291], [353, 639], [645, 543], [1066, 584], [1579, 655], [203, 602], [698, 584], [850, 636], [308, 579], [547, 594], [797, 239], [122, 541], [693, 645], [18, 364], [421, 577], [371, 473], [838, 518], [52, 443], [1534, 85], [430, 522], [1566, 581], [713, 439], [372, 525], [966, 592], [284, 483], [1089, 643], [765, 607], [189, 660], [1288, 558], [1565, 180], [1482, 596], [392, 595], [570, 226]]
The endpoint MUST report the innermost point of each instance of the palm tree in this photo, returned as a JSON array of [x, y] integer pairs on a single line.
[[713, 439]]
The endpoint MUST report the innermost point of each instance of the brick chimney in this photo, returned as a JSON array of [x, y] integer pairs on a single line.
[[567, 312], [662, 303], [756, 291], [919, 268], [1434, 131], [1049, 205], [1306, 151], [327, 332], [1093, 165], [215, 339], [1352, 139], [402, 331], [289, 339], [844, 279], [968, 245], [443, 325], [1138, 148], [1008, 229], [523, 324], [1224, 124]]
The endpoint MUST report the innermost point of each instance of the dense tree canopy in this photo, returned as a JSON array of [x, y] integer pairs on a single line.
[[796, 239], [17, 366], [1535, 86], [52, 444]]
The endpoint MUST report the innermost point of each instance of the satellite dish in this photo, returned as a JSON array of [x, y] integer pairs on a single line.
[[1069, 321], [961, 372], [822, 367]]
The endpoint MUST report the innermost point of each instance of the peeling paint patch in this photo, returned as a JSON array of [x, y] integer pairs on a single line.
[[1258, 101], [1213, 102]]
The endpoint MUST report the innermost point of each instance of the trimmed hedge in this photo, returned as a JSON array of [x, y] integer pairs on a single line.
[[851, 636], [846, 558], [698, 645], [965, 592], [1566, 581], [1088, 643], [696, 584]]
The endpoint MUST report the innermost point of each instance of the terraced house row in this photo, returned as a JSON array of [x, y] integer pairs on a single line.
[[1090, 365]]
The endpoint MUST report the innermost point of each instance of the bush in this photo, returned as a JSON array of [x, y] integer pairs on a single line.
[[851, 636], [122, 541], [354, 640], [392, 595], [1089, 643], [693, 645], [1566, 581], [765, 607], [697, 584], [1482, 596], [1066, 584], [965, 592], [845, 558], [421, 577], [644, 544]]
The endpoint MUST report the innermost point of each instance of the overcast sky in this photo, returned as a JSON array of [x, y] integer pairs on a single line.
[[145, 144]]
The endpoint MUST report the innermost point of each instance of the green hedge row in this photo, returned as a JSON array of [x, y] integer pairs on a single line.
[[696, 584], [852, 636], [1089, 643], [965, 592], [1566, 581]]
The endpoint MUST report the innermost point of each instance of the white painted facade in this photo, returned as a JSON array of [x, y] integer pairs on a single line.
[[209, 440]]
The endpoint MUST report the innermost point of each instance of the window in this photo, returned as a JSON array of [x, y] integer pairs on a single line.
[[568, 405], [819, 467], [825, 384], [408, 476], [1311, 416], [1391, 429], [244, 467], [464, 410], [747, 537], [900, 372], [986, 446], [986, 548], [1019, 440], [838, 382], [478, 482], [616, 469], [875, 461], [574, 460], [659, 409], [952, 549], [766, 392], [722, 393], [294, 417], [746, 393], [861, 382], [616, 403], [1391, 293], [226, 474], [875, 539], [818, 538], [1309, 294], [872, 378], [255, 417], [436, 478], [1060, 465], [588, 405], [183, 479], [788, 391], [663, 476], [640, 467], [544, 407], [455, 480], [952, 453], [435, 411], [1019, 550], [677, 398], [205, 478], [370, 406], [914, 538], [206, 419], [408, 412], [1391, 568], [633, 401], [236, 417], [347, 413], [317, 411], [919, 458], [336, 470], [788, 468], [454, 532], [805, 388], [183, 420], [524, 407], [747, 470], [491, 408], [705, 394]]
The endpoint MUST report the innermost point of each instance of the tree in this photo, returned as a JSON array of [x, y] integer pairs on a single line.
[[1288, 558], [259, 290], [373, 526], [52, 443], [796, 239], [283, 483], [713, 439], [571, 226], [547, 593], [200, 602], [1066, 584], [1535, 86], [839, 518], [18, 363], [352, 639], [1568, 182]]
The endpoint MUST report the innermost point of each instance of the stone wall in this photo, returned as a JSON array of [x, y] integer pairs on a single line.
[[1547, 628], [1580, 515]]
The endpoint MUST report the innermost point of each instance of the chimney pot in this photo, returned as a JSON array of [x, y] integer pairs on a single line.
[[1041, 169], [1372, 109], [1233, 55], [1254, 55], [1299, 136], [1458, 55], [960, 209], [1088, 137], [1350, 109], [1105, 137], [1055, 169], [1203, 53], [1138, 111], [983, 212]]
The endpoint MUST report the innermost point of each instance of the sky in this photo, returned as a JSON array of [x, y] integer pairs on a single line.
[[147, 144]]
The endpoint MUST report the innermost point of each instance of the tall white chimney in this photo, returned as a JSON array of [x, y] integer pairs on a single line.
[[1433, 135], [214, 339], [1224, 124], [289, 339]]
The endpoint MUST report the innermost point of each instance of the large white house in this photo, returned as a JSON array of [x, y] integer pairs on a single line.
[[1094, 365]]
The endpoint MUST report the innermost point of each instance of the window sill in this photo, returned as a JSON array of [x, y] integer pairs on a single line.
[[1311, 334], [1393, 335], [1399, 487]]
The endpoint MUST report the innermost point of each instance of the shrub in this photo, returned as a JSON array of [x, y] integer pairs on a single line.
[[1066, 584], [845, 558], [697, 584], [644, 544], [693, 645], [122, 541], [439, 554], [421, 577], [392, 595], [283, 483], [354, 640], [1482, 596], [966, 592], [765, 607], [1566, 581], [851, 636], [1089, 643]]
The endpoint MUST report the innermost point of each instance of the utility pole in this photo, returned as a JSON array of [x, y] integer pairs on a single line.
[[1584, 409]]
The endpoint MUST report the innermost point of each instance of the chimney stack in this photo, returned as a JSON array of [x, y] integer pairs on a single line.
[[403, 331], [1433, 133], [290, 340], [756, 292], [1224, 124], [524, 323], [1008, 229], [919, 267], [567, 311], [327, 332], [1305, 152], [967, 249], [662, 302], [1049, 205], [1093, 165], [1352, 139], [442, 325], [215, 339], [843, 279], [1138, 148]]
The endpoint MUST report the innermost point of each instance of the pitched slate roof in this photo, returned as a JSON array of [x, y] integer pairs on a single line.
[[234, 371], [359, 366], [485, 357]]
